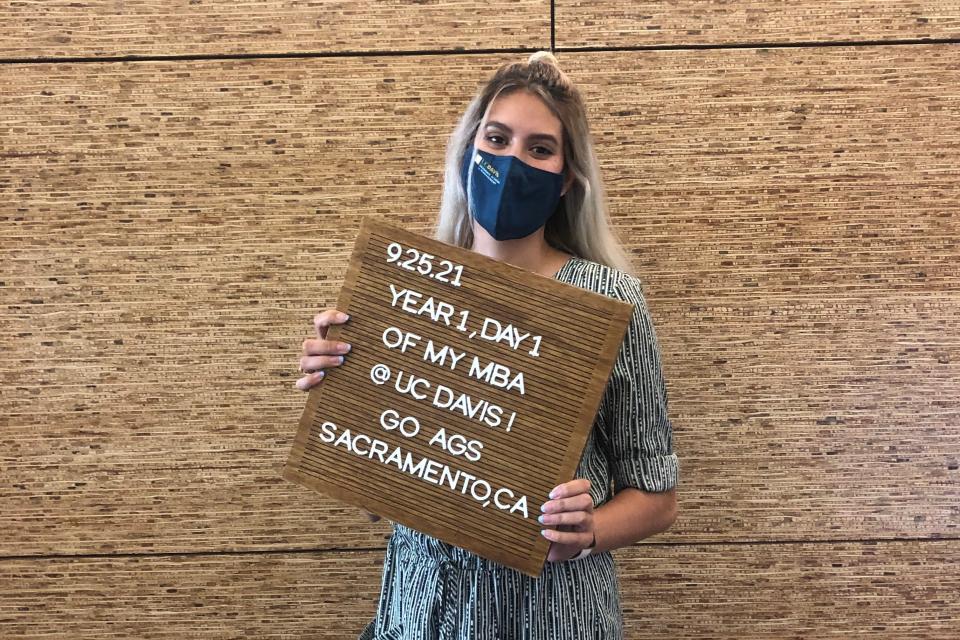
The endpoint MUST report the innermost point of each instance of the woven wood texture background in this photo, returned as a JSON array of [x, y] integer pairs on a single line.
[[614, 23], [218, 27], [169, 227]]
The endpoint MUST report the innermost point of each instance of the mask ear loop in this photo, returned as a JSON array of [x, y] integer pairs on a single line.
[[470, 162], [473, 156]]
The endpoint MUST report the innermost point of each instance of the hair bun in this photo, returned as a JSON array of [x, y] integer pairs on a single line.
[[543, 57]]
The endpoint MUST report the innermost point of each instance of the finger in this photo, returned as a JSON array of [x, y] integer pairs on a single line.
[[553, 553], [572, 488], [579, 519], [308, 381], [327, 317], [560, 552], [578, 539], [309, 364], [320, 347], [581, 502]]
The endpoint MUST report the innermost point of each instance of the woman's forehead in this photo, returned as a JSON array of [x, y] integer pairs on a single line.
[[523, 113]]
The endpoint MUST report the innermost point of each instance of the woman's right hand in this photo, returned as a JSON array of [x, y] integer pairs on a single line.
[[320, 353]]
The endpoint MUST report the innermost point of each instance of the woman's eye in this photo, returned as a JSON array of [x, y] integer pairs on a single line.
[[543, 151], [495, 139]]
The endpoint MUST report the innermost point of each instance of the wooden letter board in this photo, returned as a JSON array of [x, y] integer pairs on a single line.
[[527, 356]]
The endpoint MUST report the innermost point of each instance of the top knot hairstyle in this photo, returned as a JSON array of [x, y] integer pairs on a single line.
[[580, 225]]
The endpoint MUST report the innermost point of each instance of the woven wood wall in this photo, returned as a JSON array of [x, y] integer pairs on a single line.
[[179, 197]]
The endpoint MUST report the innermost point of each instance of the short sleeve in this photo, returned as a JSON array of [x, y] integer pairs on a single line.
[[637, 428]]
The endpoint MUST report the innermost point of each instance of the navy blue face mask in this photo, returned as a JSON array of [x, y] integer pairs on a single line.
[[509, 198]]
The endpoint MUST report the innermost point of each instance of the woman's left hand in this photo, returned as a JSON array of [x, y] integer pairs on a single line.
[[570, 510]]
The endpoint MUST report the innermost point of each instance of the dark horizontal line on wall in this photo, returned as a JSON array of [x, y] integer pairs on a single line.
[[460, 51], [766, 543], [270, 56], [313, 550], [763, 45], [185, 554]]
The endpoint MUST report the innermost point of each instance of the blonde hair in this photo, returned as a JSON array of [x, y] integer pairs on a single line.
[[580, 225]]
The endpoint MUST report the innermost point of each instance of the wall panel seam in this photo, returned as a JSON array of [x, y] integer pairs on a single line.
[[187, 554], [553, 26], [338, 550], [461, 52]]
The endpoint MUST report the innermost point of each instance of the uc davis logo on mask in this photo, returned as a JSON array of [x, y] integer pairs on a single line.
[[487, 169]]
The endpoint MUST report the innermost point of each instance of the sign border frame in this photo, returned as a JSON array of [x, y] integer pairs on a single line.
[[618, 311]]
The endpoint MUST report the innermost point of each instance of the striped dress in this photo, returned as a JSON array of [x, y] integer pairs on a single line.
[[432, 590]]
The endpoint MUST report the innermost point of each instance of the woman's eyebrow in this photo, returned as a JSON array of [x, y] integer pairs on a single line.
[[535, 136]]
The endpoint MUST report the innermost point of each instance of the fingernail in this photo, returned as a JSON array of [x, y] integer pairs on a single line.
[[540, 519], [342, 317], [341, 359], [543, 507], [553, 494], [345, 348]]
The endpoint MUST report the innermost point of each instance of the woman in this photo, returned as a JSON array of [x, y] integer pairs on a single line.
[[546, 215]]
